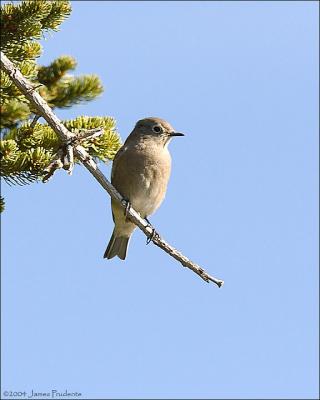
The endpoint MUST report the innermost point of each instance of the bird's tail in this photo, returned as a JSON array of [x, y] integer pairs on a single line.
[[117, 246]]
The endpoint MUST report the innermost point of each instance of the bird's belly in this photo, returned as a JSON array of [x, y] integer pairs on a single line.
[[148, 191]]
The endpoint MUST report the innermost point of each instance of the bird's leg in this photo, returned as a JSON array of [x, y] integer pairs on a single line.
[[153, 234]]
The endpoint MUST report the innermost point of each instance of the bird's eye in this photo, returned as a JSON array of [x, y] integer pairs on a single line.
[[156, 129]]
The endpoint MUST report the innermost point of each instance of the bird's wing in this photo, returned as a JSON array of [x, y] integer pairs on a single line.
[[119, 174], [115, 162]]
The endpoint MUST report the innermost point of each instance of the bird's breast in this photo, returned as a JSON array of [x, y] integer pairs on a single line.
[[141, 175]]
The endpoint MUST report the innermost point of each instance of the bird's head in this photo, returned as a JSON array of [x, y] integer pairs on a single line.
[[155, 129]]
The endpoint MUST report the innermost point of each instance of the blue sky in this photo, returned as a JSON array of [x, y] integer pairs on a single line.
[[241, 80]]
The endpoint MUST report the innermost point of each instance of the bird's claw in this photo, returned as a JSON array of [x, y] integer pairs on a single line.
[[126, 210], [153, 235]]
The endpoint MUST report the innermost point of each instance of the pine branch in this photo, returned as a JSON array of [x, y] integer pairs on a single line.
[[28, 50], [67, 137], [12, 112], [22, 167], [28, 19], [23, 21], [53, 72], [19, 144], [73, 90], [60, 10]]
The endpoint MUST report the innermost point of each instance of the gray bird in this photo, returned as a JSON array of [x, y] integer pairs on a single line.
[[140, 173]]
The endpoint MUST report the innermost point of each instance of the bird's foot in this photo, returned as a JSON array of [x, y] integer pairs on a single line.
[[153, 234], [126, 210]]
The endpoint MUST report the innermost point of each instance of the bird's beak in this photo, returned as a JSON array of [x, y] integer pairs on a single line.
[[176, 134]]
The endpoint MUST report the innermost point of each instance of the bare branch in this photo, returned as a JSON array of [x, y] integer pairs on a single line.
[[70, 140], [89, 134], [53, 166]]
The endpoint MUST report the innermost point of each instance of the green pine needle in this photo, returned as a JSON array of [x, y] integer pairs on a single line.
[[56, 70], [73, 90], [27, 148], [2, 204]]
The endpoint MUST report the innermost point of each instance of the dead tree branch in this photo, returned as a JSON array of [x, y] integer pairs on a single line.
[[70, 144]]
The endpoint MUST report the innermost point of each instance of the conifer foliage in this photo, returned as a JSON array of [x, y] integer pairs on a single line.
[[28, 146]]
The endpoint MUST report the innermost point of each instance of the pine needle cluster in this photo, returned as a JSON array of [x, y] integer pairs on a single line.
[[27, 147]]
